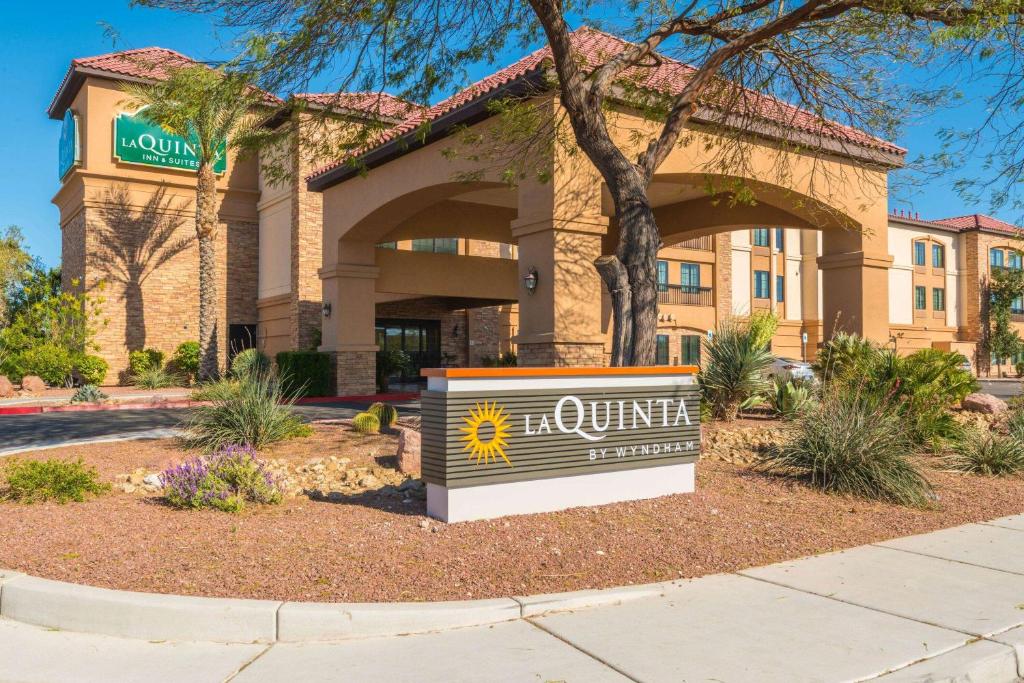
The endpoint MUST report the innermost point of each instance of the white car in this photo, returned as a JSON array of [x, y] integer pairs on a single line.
[[788, 367]]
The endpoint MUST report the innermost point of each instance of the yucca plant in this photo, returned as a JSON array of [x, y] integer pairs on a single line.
[[732, 374], [366, 423], [986, 453], [852, 444], [254, 412], [250, 361], [843, 354]]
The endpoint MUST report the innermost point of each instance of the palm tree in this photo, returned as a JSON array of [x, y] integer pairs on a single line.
[[215, 111]]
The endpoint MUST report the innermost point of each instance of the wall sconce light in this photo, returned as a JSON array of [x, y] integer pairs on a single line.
[[326, 309], [530, 280]]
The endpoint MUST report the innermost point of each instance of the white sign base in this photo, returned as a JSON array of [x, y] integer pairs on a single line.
[[548, 495]]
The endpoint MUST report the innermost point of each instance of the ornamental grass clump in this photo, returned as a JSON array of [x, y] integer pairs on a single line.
[[154, 377], [254, 411], [853, 444], [225, 481], [986, 453], [37, 481]]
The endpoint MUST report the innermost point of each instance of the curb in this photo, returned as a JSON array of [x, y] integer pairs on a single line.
[[153, 616], [161, 433]]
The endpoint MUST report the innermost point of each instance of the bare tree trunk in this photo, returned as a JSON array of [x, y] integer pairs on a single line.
[[638, 251], [616, 279], [206, 231]]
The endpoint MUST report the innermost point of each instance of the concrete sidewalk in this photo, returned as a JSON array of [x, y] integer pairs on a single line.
[[944, 606]]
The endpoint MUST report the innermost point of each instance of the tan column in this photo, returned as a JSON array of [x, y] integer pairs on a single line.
[[855, 279], [350, 286]]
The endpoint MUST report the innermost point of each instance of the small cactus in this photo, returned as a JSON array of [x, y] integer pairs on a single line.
[[90, 393], [386, 413], [366, 423]]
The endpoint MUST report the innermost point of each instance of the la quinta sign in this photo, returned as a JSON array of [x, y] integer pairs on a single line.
[[137, 141], [518, 440]]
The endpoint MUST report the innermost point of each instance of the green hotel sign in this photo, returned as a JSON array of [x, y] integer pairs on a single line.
[[137, 141]]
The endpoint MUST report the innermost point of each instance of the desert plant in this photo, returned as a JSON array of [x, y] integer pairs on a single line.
[[366, 423], [851, 444], [154, 377], [385, 413], [1015, 423], [390, 362], [732, 375], [981, 452], [36, 481], [257, 414], [762, 326], [89, 369], [88, 393], [139, 361], [250, 361], [52, 363], [218, 390], [842, 355], [789, 397], [225, 481], [305, 373], [186, 359]]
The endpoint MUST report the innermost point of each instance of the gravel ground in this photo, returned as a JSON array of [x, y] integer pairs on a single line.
[[375, 548]]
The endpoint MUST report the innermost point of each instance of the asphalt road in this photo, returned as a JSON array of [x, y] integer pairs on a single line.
[[20, 431], [1002, 388]]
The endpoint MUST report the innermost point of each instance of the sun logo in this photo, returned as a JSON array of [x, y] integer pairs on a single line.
[[485, 432]]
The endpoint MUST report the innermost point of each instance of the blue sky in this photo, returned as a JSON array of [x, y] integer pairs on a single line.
[[42, 37]]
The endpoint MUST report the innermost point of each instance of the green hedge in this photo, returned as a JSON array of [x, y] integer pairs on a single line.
[[306, 373]]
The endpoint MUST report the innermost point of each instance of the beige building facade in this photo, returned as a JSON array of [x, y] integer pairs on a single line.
[[411, 255]]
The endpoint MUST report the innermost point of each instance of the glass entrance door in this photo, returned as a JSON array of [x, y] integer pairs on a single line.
[[420, 339]]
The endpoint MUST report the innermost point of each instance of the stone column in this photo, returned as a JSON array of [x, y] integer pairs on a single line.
[[723, 276], [351, 286], [306, 245]]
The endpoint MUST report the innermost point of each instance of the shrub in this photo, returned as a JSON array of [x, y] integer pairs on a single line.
[[256, 414], [386, 414], [789, 398], [154, 377], [305, 373], [88, 393], [987, 453], [52, 363], [1019, 367], [186, 358], [139, 361], [762, 327], [219, 390], [842, 355], [35, 481], [224, 481], [732, 375], [366, 423], [249, 361], [390, 362], [89, 369], [851, 444]]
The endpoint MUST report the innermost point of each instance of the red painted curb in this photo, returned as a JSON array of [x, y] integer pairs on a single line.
[[372, 398]]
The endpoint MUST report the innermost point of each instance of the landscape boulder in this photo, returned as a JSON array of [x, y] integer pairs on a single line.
[[409, 451], [983, 403], [33, 384], [6, 388]]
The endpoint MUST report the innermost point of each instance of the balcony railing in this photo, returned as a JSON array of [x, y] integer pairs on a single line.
[[706, 243], [685, 295]]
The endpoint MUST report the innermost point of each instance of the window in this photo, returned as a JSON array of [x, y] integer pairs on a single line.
[[780, 238], [920, 302], [440, 245], [690, 349], [662, 276], [388, 245], [780, 289], [761, 237], [918, 253], [1017, 305], [938, 256], [762, 287], [938, 299], [1013, 258], [995, 257], [689, 277], [662, 358]]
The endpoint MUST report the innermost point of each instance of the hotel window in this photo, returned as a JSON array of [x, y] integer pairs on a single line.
[[1013, 258], [388, 245], [689, 277], [995, 258], [918, 253], [920, 300], [1017, 305], [780, 289], [938, 256], [762, 286], [761, 237], [662, 276], [690, 349], [440, 245], [938, 299], [662, 358], [780, 238]]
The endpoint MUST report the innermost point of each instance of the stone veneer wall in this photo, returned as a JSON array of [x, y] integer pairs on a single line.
[[150, 275], [562, 354]]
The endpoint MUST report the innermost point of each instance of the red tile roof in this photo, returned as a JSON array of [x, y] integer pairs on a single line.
[[376, 103], [979, 221], [669, 76]]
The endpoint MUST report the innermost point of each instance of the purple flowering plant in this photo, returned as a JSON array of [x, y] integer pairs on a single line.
[[224, 480]]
